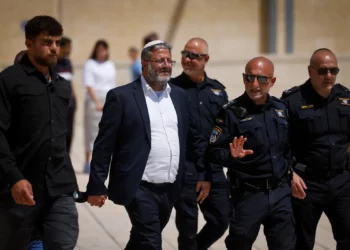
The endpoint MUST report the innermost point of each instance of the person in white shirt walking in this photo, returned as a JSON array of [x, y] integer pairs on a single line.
[[143, 131], [99, 76]]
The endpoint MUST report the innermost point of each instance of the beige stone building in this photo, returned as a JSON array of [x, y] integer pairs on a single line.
[[287, 31]]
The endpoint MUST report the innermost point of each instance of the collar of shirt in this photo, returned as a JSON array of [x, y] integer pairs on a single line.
[[199, 85], [146, 87], [248, 103], [30, 69], [316, 97]]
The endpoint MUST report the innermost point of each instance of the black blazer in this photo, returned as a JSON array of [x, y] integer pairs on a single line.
[[125, 139]]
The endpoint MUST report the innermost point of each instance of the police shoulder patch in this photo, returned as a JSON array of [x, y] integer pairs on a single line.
[[215, 134], [229, 104], [290, 91]]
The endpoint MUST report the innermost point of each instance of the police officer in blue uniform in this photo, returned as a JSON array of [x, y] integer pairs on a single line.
[[319, 113], [251, 139], [206, 97]]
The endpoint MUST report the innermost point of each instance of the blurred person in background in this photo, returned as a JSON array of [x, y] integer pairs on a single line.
[[99, 76], [152, 36], [64, 68], [136, 67]]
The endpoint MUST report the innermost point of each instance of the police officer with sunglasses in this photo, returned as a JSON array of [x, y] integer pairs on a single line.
[[319, 122], [208, 187], [251, 139]]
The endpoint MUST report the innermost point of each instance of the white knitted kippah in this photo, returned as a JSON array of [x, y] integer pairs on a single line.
[[155, 42]]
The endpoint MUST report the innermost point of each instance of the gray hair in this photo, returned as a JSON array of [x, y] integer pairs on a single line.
[[147, 52]]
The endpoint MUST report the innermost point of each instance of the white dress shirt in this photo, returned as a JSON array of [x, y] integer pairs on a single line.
[[163, 160]]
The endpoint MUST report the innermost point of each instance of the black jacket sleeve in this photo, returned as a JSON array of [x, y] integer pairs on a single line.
[[8, 168]]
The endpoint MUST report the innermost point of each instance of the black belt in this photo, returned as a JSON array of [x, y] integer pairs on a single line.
[[266, 184], [314, 173], [151, 184]]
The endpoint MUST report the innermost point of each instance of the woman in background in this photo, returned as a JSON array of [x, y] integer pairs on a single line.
[[99, 76]]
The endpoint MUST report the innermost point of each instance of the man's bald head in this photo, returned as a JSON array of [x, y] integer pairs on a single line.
[[199, 43], [258, 79], [261, 64], [323, 70], [321, 55], [194, 58]]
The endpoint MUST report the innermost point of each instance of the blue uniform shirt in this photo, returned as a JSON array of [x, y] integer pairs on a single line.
[[319, 127], [206, 98], [266, 129]]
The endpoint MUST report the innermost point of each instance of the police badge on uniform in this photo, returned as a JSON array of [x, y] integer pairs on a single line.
[[280, 113], [345, 101], [215, 134], [216, 92]]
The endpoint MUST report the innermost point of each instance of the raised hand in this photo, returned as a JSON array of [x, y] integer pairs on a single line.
[[236, 148]]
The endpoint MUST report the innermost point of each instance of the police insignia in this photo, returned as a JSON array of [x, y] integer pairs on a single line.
[[216, 92], [215, 134], [345, 101], [220, 121], [247, 119], [307, 106], [279, 112]]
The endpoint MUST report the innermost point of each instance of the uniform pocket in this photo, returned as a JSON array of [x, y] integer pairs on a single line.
[[252, 130], [344, 118]]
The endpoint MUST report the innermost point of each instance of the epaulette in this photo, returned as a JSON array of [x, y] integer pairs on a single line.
[[240, 112], [278, 100], [216, 81], [227, 105], [290, 91], [342, 87]]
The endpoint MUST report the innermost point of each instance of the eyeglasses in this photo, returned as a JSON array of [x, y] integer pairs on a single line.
[[191, 55], [324, 71], [261, 79], [162, 61]]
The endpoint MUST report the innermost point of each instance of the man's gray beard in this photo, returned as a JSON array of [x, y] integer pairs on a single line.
[[156, 79]]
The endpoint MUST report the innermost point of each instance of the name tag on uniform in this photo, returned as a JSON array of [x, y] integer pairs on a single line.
[[219, 121], [345, 101], [280, 112], [247, 119], [216, 92], [307, 106], [215, 134]]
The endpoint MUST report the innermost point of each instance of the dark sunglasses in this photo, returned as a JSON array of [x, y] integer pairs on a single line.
[[261, 79], [324, 71], [191, 55]]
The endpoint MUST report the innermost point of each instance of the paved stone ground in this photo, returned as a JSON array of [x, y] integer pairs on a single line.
[[108, 228]]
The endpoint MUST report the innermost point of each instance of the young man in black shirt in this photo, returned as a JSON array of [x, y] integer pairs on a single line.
[[36, 174]]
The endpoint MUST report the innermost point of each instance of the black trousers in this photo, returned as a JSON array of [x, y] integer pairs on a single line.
[[251, 209], [55, 218], [215, 209], [70, 124], [149, 212], [331, 197]]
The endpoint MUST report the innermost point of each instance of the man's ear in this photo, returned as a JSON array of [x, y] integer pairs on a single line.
[[28, 43]]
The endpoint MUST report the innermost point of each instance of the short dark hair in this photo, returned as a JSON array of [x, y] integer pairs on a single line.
[[99, 43], [65, 41], [39, 24], [150, 37]]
